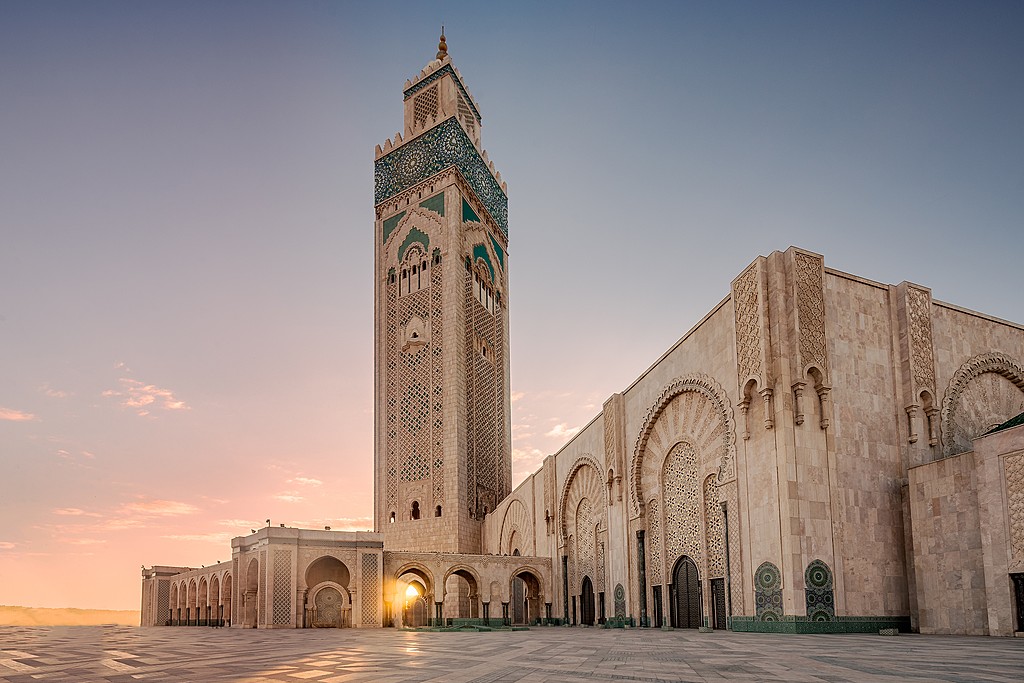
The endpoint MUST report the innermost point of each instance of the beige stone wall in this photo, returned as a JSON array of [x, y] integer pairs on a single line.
[[999, 463], [947, 546], [851, 370], [867, 460]]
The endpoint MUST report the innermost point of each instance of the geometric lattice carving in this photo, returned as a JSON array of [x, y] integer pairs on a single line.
[[437, 380], [424, 107], [751, 328], [920, 324], [466, 114], [735, 550], [682, 503], [484, 406], [600, 569], [584, 540], [574, 576], [391, 398], [713, 529], [810, 306], [370, 589], [261, 596], [655, 567], [768, 592], [620, 601], [163, 595], [986, 391], [1014, 468], [282, 587], [819, 591], [414, 407], [700, 411], [235, 604], [583, 480], [517, 521]]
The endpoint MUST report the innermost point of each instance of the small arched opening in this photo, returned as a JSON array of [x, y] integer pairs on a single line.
[[533, 596], [461, 594], [328, 603], [225, 599], [250, 598], [686, 598], [587, 602]]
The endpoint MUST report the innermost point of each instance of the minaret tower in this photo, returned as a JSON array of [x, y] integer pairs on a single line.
[[442, 450]]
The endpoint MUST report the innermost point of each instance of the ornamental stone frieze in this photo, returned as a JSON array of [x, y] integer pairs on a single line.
[[986, 391], [917, 361], [614, 444], [753, 341], [806, 294]]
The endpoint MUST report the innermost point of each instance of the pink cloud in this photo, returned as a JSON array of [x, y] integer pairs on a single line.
[[5, 545], [213, 537], [289, 496], [53, 393], [83, 541], [563, 431], [74, 512], [308, 481], [144, 397], [15, 415], [158, 508]]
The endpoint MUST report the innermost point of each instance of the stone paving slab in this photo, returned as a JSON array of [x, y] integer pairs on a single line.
[[545, 655]]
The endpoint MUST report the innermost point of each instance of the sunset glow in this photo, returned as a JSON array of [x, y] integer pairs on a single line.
[[187, 253]]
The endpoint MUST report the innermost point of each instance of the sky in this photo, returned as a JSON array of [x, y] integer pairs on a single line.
[[186, 228]]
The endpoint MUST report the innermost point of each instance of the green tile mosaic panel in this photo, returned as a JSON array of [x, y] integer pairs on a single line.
[[498, 251], [801, 624], [768, 592], [435, 204], [468, 214], [415, 235], [819, 591], [480, 251], [444, 145], [390, 224]]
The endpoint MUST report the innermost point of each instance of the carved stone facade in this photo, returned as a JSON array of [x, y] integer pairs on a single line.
[[813, 456]]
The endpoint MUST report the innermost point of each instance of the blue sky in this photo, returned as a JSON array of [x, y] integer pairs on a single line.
[[187, 221]]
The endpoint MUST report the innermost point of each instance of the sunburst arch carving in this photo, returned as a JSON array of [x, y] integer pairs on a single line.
[[661, 435], [583, 481], [972, 402], [517, 520]]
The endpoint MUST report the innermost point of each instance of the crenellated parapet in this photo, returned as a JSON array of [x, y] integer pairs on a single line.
[[413, 160]]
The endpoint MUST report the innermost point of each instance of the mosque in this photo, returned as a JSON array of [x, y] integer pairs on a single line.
[[819, 453]]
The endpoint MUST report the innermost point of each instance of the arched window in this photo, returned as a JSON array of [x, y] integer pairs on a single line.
[[437, 511], [391, 520], [415, 509]]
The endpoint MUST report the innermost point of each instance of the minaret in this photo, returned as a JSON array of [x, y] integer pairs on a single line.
[[442, 450]]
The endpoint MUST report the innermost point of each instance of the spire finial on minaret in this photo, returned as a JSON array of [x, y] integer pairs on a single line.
[[442, 47]]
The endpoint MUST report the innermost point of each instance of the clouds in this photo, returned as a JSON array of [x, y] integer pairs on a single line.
[[12, 415], [6, 545], [74, 512], [158, 508], [562, 431], [308, 481], [144, 398]]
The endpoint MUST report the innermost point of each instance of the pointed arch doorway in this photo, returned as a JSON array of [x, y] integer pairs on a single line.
[[587, 602], [686, 598]]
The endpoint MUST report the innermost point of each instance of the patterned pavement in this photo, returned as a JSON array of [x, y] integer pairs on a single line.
[[542, 655]]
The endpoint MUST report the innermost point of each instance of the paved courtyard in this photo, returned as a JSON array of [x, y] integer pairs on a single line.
[[546, 655]]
